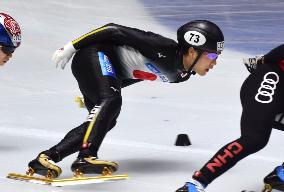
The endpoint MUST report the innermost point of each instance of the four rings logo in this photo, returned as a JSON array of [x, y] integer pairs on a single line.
[[267, 87]]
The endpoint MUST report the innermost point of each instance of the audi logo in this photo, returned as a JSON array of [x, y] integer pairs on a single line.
[[267, 87]]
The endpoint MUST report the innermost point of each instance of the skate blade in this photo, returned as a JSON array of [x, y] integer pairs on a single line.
[[87, 180], [99, 168], [28, 178], [66, 181]]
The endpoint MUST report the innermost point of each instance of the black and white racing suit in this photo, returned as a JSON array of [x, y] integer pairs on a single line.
[[108, 59]]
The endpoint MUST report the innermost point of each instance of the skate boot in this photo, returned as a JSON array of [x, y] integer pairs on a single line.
[[92, 165], [43, 165], [192, 186], [275, 180]]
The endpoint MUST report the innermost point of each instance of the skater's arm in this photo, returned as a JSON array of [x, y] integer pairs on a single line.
[[147, 43], [275, 55], [114, 34]]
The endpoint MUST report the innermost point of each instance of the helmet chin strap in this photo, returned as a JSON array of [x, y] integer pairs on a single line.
[[190, 71]]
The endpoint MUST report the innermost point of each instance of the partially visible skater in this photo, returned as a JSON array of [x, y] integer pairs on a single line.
[[10, 37], [262, 98], [112, 57]]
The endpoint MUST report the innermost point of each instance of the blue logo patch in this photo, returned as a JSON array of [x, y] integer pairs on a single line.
[[106, 66], [157, 72]]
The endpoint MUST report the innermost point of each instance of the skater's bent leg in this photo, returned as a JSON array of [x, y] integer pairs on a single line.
[[70, 144], [256, 125], [229, 155], [102, 90], [100, 122]]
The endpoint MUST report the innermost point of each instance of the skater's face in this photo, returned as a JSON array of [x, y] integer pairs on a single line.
[[5, 54], [205, 63]]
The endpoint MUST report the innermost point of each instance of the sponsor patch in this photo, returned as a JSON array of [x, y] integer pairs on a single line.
[[94, 112], [157, 72], [220, 46], [267, 88], [106, 66]]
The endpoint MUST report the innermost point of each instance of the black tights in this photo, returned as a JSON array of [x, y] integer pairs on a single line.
[[102, 96]]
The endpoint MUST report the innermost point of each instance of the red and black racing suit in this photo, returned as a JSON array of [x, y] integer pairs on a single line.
[[262, 98]]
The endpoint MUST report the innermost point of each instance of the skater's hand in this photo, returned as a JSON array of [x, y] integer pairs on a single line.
[[63, 55], [252, 63]]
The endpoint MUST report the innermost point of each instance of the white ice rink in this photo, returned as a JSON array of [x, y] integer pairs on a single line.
[[37, 107]]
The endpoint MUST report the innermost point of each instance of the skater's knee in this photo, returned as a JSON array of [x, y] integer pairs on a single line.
[[114, 102], [77, 132], [255, 144], [107, 109], [112, 124]]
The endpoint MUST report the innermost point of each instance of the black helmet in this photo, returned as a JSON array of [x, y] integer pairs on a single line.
[[202, 35]]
